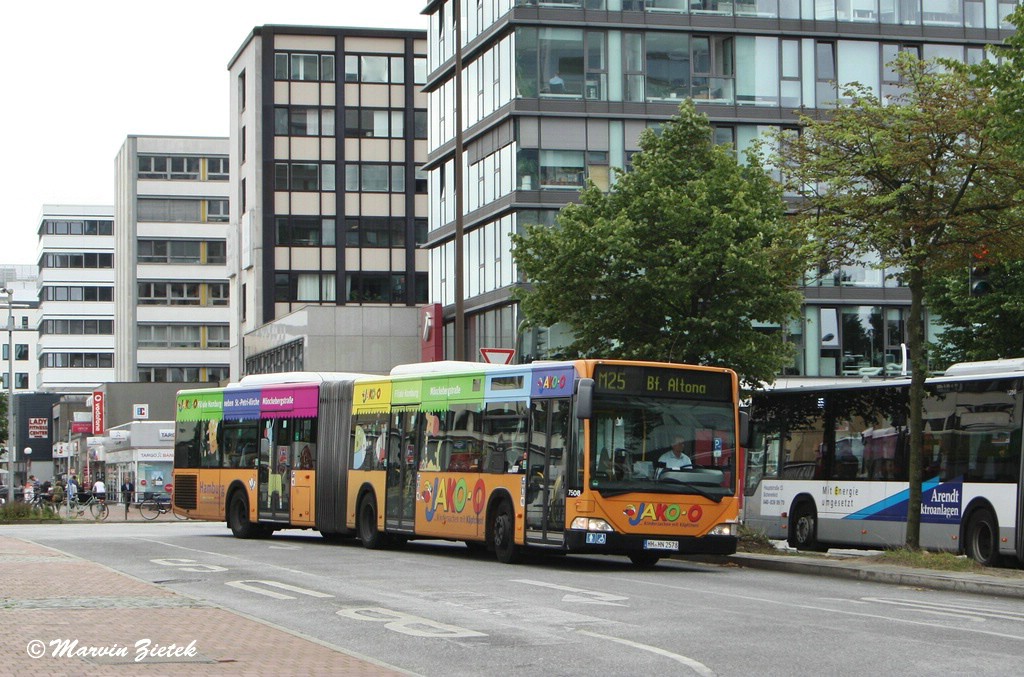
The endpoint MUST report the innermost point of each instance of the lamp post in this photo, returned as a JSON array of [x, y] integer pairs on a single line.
[[10, 393]]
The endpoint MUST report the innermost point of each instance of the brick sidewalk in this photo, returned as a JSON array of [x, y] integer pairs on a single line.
[[49, 596]]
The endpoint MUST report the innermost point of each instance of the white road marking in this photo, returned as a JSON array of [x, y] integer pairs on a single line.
[[580, 595], [253, 586], [696, 666], [407, 624]]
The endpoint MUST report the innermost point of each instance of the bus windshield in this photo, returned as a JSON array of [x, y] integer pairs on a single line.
[[655, 445]]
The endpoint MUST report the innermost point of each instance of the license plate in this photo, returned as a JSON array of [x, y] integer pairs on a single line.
[[651, 544], [597, 539]]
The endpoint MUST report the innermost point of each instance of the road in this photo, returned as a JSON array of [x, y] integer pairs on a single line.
[[433, 608]]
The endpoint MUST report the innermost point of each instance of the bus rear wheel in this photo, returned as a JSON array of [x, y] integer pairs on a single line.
[[238, 518], [983, 538], [372, 538], [503, 533]]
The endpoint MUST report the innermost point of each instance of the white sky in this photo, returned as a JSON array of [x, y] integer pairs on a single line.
[[81, 77]]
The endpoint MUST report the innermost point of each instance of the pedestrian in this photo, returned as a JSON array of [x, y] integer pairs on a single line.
[[99, 489], [126, 495], [73, 490], [30, 490]]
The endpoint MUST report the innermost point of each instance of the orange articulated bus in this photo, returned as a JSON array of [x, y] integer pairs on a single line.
[[572, 456]]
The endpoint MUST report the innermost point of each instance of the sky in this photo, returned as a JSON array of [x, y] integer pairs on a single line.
[[82, 77]]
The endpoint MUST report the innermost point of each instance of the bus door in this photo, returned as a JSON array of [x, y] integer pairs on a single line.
[[274, 485], [400, 494], [545, 470]]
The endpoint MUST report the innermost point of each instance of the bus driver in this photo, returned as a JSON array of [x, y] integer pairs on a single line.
[[674, 458]]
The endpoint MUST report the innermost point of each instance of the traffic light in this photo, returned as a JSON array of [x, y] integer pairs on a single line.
[[979, 282]]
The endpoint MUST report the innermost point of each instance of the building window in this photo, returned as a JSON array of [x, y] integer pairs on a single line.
[[305, 231], [217, 168], [304, 67], [74, 327], [375, 231], [21, 380], [375, 178], [303, 121], [217, 211], [183, 336], [87, 260], [78, 293], [308, 287], [20, 351], [183, 251], [374, 69], [183, 293], [241, 91], [76, 360], [304, 176], [85, 227], [375, 123], [182, 374], [825, 74], [383, 288]]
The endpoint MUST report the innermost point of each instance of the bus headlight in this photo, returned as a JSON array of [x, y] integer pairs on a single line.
[[724, 530], [590, 524]]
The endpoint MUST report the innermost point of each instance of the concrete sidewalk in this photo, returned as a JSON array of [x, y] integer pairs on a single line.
[[60, 612]]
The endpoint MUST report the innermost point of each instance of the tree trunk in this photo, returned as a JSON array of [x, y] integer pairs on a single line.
[[918, 371]]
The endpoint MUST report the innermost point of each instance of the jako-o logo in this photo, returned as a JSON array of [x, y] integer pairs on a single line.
[[371, 395], [661, 512], [550, 382], [452, 495]]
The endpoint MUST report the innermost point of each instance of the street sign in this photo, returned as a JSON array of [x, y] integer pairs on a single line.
[[497, 355]]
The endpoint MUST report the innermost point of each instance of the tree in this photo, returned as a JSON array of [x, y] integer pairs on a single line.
[[919, 181], [678, 262], [979, 327]]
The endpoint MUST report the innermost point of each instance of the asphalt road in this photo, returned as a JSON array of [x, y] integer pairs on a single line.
[[433, 608]]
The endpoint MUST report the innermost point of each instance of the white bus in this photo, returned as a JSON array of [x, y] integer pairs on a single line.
[[828, 463]]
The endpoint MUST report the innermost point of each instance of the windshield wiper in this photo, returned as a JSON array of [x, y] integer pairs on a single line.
[[620, 489], [694, 488]]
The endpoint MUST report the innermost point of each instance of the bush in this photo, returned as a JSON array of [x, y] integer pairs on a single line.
[[754, 540], [19, 510]]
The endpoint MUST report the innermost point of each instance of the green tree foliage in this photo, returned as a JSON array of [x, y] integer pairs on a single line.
[[984, 327], [920, 181], [676, 263]]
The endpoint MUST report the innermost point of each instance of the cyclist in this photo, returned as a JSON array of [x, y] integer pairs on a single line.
[[99, 489]]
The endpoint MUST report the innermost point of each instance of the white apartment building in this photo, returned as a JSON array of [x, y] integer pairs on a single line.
[[76, 298], [22, 280], [171, 309]]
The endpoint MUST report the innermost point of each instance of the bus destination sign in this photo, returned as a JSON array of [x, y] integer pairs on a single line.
[[662, 382]]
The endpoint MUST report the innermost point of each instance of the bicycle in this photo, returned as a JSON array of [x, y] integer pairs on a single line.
[[42, 503], [152, 508], [73, 508]]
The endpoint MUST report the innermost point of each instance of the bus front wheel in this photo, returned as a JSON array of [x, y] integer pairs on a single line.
[[983, 538], [503, 533], [238, 518], [368, 533], [803, 529]]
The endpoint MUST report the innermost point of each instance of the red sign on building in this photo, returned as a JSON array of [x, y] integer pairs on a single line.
[[97, 412]]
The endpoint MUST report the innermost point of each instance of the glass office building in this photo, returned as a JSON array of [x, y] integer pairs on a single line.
[[552, 93]]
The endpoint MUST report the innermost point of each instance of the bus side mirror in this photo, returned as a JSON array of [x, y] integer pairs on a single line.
[[744, 429], [585, 398]]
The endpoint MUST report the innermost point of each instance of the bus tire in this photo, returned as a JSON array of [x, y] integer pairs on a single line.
[[803, 528], [372, 538], [983, 538], [238, 518], [644, 560], [503, 533]]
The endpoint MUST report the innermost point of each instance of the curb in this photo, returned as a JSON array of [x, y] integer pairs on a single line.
[[977, 584]]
